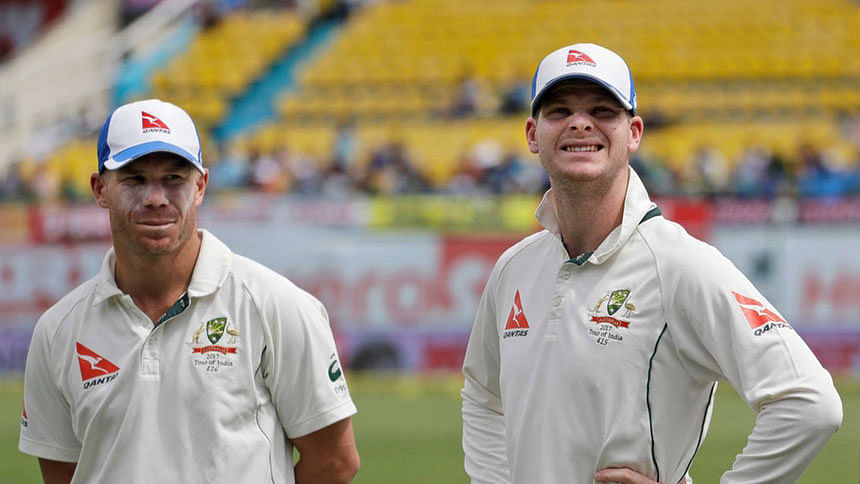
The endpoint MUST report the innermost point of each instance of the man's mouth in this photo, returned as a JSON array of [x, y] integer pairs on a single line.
[[582, 149], [155, 223]]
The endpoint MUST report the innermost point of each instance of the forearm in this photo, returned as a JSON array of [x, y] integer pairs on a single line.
[[56, 472], [324, 471], [327, 456]]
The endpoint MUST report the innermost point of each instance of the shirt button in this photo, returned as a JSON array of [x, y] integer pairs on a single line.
[[557, 301], [565, 274]]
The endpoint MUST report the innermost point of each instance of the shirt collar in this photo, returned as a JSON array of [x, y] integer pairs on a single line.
[[210, 270], [636, 205]]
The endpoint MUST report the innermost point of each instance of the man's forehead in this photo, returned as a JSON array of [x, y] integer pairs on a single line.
[[159, 159]]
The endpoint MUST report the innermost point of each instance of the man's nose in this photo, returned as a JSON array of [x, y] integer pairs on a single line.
[[155, 195], [580, 122]]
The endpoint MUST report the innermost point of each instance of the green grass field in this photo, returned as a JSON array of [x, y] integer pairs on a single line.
[[408, 430]]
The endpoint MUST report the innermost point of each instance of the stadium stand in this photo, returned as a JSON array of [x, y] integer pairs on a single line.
[[727, 74], [439, 78], [224, 59]]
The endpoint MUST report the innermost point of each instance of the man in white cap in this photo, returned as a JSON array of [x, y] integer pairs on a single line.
[[599, 341], [180, 361]]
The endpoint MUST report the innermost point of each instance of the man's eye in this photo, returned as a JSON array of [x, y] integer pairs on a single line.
[[604, 111], [557, 112]]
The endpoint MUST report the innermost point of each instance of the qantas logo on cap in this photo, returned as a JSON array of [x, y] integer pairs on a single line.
[[759, 317], [95, 368], [517, 324], [579, 57], [151, 123]]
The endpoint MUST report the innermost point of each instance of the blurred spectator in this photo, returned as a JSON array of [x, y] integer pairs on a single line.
[[820, 175], [345, 146], [13, 186], [306, 174], [390, 172], [208, 13], [229, 171], [750, 174], [655, 118], [69, 189], [658, 178], [45, 183], [467, 99], [336, 183], [471, 177], [779, 179], [514, 175], [488, 169], [268, 172], [707, 172], [516, 100], [466, 179]]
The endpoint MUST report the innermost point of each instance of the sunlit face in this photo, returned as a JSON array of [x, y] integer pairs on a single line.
[[152, 203], [582, 133]]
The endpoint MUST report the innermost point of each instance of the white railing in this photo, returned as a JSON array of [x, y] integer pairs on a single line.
[[69, 73]]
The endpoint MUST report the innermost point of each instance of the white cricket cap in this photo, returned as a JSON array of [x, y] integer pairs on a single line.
[[585, 61], [143, 127]]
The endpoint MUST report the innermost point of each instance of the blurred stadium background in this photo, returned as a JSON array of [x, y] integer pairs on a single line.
[[374, 152]]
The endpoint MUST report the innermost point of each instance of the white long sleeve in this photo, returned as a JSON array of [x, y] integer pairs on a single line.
[[768, 364], [788, 434], [484, 446], [483, 441]]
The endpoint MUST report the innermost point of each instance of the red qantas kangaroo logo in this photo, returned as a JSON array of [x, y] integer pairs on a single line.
[[149, 121], [517, 318], [756, 313], [578, 56], [93, 365]]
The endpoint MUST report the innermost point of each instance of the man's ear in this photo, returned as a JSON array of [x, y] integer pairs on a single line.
[[637, 126], [201, 183], [531, 134], [97, 184]]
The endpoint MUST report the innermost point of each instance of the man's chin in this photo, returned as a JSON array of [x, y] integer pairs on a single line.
[[581, 175], [157, 242], [158, 247]]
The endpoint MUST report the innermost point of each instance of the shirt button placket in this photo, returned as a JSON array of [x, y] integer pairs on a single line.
[[561, 287], [558, 297]]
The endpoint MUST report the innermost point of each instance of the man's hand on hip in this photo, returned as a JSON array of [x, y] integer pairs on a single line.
[[621, 475]]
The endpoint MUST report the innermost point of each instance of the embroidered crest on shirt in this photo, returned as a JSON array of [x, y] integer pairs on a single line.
[[760, 318], [611, 316], [517, 324], [208, 354], [95, 368]]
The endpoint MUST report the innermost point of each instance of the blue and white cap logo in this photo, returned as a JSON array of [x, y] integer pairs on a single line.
[[143, 127], [585, 61]]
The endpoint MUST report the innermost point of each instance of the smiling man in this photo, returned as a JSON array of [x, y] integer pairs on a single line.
[[180, 361], [599, 341]]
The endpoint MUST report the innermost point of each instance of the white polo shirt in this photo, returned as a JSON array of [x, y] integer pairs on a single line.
[[611, 360], [211, 394]]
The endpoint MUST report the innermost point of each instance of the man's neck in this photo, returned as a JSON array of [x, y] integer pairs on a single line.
[[156, 282], [588, 212]]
